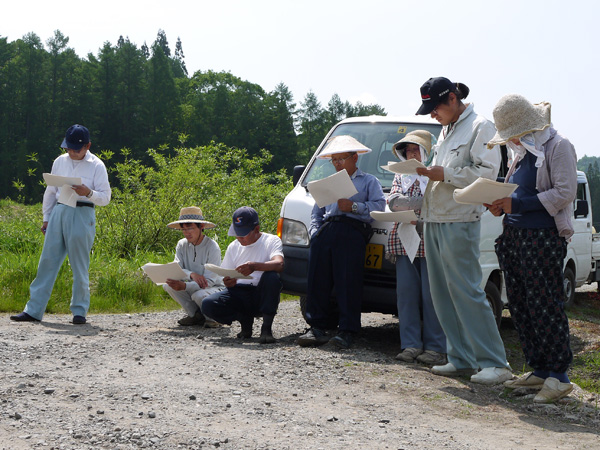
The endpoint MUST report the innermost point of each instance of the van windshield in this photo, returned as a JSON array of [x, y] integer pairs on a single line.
[[379, 137]]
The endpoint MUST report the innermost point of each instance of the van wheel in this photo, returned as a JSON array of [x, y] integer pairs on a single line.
[[492, 295], [569, 287], [332, 322]]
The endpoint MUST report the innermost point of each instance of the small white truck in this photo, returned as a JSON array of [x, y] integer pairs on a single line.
[[379, 295]]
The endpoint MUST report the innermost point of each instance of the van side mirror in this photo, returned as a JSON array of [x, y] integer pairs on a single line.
[[298, 171], [582, 208]]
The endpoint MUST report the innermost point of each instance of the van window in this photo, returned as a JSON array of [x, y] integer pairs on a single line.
[[379, 137]]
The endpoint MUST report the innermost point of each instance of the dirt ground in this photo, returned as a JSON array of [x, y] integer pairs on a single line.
[[141, 381]]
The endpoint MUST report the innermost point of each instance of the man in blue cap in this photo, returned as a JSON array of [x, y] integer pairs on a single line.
[[69, 230], [257, 255]]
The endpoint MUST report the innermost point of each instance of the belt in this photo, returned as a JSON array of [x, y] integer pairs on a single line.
[[91, 205]]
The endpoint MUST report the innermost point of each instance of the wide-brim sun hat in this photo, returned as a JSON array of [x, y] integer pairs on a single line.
[[343, 144], [190, 214], [515, 116], [423, 138]]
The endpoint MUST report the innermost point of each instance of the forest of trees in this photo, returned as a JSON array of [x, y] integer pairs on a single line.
[[141, 98]]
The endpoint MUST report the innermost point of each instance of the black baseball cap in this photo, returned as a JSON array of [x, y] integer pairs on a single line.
[[76, 137], [432, 91], [244, 221]]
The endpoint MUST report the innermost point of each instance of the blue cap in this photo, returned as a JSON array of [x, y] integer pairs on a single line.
[[244, 221], [76, 137]]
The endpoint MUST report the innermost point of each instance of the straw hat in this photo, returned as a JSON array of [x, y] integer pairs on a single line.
[[343, 144], [422, 138], [516, 117], [191, 214]]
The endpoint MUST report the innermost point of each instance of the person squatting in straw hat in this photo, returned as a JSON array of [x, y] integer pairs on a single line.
[[427, 342], [192, 253], [339, 234], [69, 230], [260, 256], [452, 234], [532, 246]]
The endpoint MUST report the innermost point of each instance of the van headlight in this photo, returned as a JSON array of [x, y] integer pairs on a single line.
[[292, 232]]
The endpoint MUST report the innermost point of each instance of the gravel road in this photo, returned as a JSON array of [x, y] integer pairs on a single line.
[[140, 381]]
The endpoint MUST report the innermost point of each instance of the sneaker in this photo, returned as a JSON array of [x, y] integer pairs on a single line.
[[313, 338], [448, 370], [432, 358], [210, 323], [528, 381], [343, 339], [246, 332], [266, 337], [23, 317], [79, 320], [409, 354], [552, 391], [492, 375], [196, 319]]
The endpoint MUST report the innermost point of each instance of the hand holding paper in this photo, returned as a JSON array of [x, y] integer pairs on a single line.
[[408, 167], [331, 189], [483, 191], [159, 273], [231, 273]]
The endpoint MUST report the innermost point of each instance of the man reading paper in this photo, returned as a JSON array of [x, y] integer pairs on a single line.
[[339, 234]]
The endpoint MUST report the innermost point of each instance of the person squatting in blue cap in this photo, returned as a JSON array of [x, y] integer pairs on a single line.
[[260, 256], [69, 230]]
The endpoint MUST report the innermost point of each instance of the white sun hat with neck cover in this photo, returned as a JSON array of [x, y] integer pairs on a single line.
[[343, 144]]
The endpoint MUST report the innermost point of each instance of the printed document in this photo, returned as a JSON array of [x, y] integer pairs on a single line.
[[483, 191], [67, 195], [159, 273], [408, 167], [231, 273], [329, 190]]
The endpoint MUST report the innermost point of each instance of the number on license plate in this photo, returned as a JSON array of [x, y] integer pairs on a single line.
[[374, 256]]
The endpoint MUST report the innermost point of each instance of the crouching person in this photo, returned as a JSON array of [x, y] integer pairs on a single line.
[[260, 256], [192, 253]]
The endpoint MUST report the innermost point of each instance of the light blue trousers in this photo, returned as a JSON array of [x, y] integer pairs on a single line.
[[472, 337], [414, 298], [71, 232]]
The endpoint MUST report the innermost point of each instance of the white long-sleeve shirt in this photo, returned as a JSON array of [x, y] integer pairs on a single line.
[[93, 174]]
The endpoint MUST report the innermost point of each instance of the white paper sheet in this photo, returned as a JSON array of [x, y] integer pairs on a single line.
[[331, 189], [410, 239], [231, 273], [60, 181], [67, 195], [404, 167], [407, 216], [482, 191], [159, 273]]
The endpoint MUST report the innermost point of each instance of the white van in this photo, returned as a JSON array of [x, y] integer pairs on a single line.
[[379, 295]]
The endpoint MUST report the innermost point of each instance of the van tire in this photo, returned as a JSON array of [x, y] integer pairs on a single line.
[[492, 295], [569, 287]]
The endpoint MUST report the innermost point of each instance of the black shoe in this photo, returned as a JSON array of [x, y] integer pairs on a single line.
[[23, 317], [79, 320], [313, 338], [246, 332], [196, 319], [343, 339]]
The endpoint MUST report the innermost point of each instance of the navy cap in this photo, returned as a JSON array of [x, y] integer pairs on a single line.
[[244, 221], [76, 137], [432, 91]]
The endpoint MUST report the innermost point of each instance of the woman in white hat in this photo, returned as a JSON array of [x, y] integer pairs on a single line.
[[453, 231], [427, 342], [192, 253], [532, 247]]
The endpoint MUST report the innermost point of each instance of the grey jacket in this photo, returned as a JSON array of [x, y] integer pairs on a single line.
[[464, 156], [556, 181]]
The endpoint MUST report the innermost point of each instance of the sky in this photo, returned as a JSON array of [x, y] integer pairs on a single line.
[[373, 51]]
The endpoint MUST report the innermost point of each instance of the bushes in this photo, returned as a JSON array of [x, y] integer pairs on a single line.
[[132, 229], [216, 178]]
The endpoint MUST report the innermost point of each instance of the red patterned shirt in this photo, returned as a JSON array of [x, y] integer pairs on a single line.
[[395, 246]]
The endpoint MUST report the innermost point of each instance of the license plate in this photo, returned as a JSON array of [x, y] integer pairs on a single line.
[[374, 256]]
